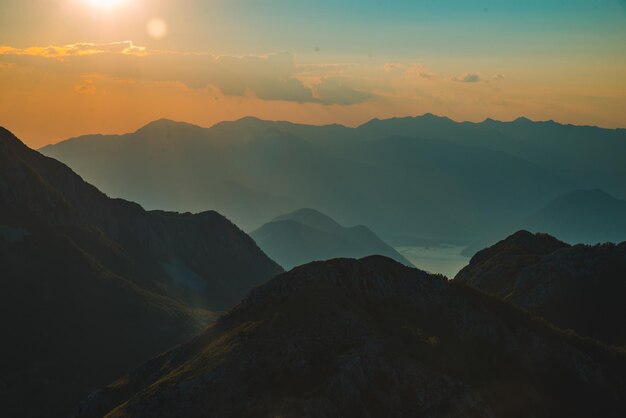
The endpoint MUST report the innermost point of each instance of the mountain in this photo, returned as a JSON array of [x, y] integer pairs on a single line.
[[590, 216], [308, 235], [400, 181], [591, 157], [93, 286], [372, 338], [578, 287]]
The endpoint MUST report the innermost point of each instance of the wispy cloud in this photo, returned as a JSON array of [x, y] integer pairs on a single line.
[[340, 90], [267, 77], [81, 49], [469, 78]]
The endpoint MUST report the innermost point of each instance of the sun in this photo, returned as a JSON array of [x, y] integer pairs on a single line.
[[105, 3]]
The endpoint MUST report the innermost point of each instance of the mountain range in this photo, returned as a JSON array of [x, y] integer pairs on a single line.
[[193, 319], [93, 286], [426, 176], [372, 338], [308, 235]]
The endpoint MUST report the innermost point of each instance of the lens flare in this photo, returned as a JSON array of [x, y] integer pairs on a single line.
[[157, 28]]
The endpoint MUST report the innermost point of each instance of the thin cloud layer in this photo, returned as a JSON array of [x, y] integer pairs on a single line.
[[272, 77], [267, 77], [81, 49], [469, 78]]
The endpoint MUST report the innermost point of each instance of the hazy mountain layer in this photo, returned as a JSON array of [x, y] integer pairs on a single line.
[[577, 287], [93, 286], [372, 338], [590, 216], [424, 176], [590, 156], [308, 235]]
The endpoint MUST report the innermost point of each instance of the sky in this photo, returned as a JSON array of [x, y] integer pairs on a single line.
[[73, 67]]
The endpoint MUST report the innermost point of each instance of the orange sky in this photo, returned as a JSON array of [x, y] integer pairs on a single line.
[[67, 67]]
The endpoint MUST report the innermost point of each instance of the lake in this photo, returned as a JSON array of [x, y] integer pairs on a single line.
[[443, 259]]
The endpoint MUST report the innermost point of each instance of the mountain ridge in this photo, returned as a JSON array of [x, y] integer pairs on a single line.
[[427, 116], [371, 337], [280, 167], [87, 294]]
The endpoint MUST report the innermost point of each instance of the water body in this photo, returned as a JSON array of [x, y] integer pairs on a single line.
[[444, 259]]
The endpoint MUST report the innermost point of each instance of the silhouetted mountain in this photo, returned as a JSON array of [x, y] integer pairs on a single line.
[[577, 287], [308, 235], [372, 338], [589, 216], [426, 176], [92, 286]]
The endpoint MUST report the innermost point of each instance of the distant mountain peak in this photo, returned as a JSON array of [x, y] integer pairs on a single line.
[[489, 120], [307, 235], [250, 119], [523, 119], [164, 124], [433, 116], [312, 218]]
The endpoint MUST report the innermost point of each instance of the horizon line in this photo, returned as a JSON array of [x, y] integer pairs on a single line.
[[252, 117]]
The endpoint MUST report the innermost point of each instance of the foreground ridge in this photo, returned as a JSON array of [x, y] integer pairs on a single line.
[[374, 338]]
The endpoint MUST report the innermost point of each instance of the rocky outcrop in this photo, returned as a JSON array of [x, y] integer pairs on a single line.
[[578, 287]]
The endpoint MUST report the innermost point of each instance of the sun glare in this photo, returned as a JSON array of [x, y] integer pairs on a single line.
[[105, 3]]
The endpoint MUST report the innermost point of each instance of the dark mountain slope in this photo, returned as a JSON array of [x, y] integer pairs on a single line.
[[308, 235], [92, 286], [69, 323], [590, 216], [372, 338], [576, 287], [207, 244]]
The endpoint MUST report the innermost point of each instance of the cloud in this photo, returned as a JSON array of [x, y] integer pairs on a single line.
[[267, 77], [81, 49], [421, 71], [340, 90], [86, 88], [412, 71], [394, 68], [469, 78]]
